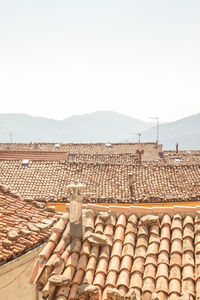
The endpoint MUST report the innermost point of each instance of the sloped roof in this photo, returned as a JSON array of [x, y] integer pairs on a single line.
[[106, 182], [182, 157], [84, 148], [32, 155], [135, 252], [23, 225]]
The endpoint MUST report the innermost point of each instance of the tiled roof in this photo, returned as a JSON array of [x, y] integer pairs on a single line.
[[23, 225], [134, 253], [89, 148], [182, 157], [107, 158], [152, 151], [32, 155], [106, 182]]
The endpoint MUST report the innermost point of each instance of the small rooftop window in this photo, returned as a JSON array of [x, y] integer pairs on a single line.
[[108, 145], [57, 145], [25, 162], [177, 159]]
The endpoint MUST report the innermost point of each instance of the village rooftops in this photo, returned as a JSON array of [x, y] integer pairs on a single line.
[[84, 148], [125, 253], [23, 225], [105, 182]]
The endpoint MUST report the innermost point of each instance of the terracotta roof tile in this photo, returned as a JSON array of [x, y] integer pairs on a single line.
[[117, 248], [175, 286], [150, 271], [48, 174], [123, 279], [162, 271], [176, 259], [141, 261], [89, 276], [114, 263], [149, 285], [111, 278], [18, 236]]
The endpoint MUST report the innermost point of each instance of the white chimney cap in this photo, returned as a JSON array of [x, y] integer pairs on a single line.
[[76, 185]]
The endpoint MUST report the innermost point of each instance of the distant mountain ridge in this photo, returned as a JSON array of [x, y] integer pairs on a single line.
[[100, 126]]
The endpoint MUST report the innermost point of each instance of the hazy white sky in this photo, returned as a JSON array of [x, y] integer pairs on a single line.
[[60, 58]]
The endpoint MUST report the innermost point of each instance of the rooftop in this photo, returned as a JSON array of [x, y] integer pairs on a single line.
[[106, 182], [125, 253], [23, 225], [93, 148]]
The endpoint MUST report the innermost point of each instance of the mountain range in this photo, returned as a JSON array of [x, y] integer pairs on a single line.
[[100, 126]]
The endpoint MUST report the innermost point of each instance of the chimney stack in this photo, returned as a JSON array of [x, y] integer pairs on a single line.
[[177, 148], [130, 178], [75, 211], [140, 152]]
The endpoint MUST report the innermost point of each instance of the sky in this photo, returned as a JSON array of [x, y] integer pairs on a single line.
[[62, 58]]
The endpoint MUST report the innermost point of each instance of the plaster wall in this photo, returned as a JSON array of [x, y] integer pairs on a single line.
[[19, 289]]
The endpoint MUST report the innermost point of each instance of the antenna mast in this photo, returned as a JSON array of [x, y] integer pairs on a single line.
[[157, 128]]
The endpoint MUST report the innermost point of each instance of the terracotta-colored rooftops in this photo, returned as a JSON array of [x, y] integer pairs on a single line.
[[125, 253], [23, 224]]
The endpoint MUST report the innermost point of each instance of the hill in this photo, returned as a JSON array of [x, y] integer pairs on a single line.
[[185, 131], [101, 126]]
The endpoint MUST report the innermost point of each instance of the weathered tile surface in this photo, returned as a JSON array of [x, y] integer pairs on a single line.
[[23, 225], [158, 256]]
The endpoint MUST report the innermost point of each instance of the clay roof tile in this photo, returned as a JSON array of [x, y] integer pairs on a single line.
[[188, 220], [123, 279], [149, 271], [121, 220], [162, 284], [111, 278], [176, 259], [166, 220], [175, 286], [149, 284], [114, 264], [136, 280]]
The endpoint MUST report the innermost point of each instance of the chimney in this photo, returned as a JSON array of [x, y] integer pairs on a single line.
[[130, 179], [75, 210], [177, 148], [140, 152]]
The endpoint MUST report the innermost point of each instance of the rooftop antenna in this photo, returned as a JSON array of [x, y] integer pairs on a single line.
[[10, 136], [157, 131], [139, 136]]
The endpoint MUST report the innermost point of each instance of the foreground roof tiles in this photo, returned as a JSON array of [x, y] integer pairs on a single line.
[[23, 225], [144, 256]]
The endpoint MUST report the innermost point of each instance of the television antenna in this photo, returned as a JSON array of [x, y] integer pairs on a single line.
[[10, 136], [157, 127], [139, 136]]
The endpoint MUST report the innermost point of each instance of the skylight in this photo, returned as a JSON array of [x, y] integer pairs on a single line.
[[57, 145], [108, 145], [177, 159], [25, 162]]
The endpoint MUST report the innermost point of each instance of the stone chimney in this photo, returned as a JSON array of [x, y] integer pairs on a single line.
[[140, 152], [130, 179], [75, 210]]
